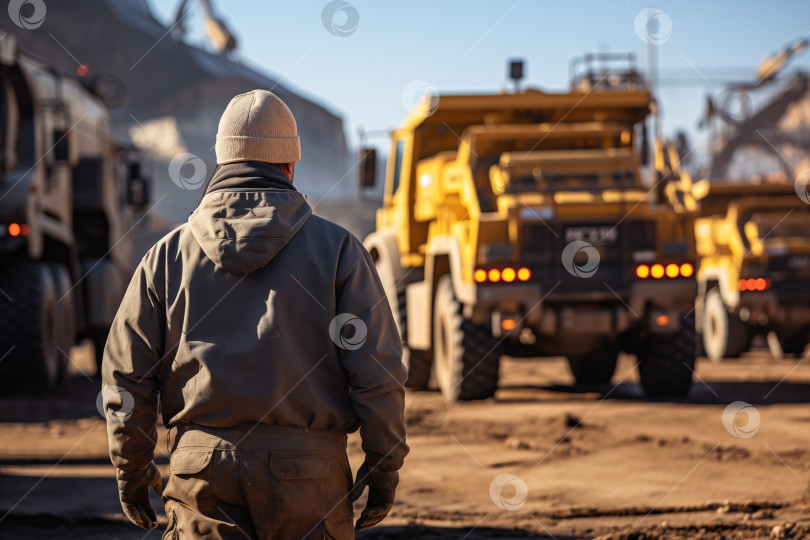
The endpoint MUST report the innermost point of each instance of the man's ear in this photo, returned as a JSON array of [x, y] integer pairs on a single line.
[[291, 175], [288, 169]]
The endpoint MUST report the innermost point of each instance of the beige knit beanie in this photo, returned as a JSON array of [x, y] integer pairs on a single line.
[[257, 126]]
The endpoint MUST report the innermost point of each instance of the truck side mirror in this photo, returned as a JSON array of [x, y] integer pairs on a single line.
[[137, 187], [367, 168]]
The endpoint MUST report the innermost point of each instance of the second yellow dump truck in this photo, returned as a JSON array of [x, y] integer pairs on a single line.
[[519, 223], [754, 269]]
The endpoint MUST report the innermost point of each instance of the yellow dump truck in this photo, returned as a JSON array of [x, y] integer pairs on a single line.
[[754, 269], [519, 223], [67, 199]]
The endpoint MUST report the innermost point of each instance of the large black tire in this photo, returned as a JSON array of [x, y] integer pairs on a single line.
[[667, 361], [596, 367], [724, 334], [794, 343], [65, 318], [418, 363], [27, 327], [99, 338], [467, 356]]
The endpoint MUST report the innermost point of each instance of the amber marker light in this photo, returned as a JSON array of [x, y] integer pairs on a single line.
[[643, 271], [508, 275], [480, 275], [657, 271], [672, 270], [687, 270], [508, 324], [14, 229], [524, 274], [494, 275], [662, 320]]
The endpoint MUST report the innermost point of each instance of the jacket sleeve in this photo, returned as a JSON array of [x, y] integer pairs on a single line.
[[130, 373], [374, 364]]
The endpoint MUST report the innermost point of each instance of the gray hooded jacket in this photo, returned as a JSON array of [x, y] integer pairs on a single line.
[[255, 310]]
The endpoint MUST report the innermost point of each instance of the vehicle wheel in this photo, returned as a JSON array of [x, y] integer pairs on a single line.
[[793, 343], [724, 334], [596, 367], [667, 361], [418, 363], [467, 356], [28, 338], [99, 338], [65, 318]]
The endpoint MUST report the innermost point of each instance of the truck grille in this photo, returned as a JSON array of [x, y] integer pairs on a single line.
[[538, 243], [641, 235], [542, 250]]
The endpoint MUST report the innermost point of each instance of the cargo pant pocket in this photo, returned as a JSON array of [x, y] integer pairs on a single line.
[[300, 484], [185, 461], [189, 481]]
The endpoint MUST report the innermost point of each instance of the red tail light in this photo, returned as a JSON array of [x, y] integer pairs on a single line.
[[754, 284]]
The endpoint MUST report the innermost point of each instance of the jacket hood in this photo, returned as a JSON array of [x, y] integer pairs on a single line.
[[247, 216]]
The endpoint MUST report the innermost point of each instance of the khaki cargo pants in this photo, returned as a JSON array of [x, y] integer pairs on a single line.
[[258, 481]]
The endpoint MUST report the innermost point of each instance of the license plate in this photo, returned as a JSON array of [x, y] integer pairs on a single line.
[[596, 235]]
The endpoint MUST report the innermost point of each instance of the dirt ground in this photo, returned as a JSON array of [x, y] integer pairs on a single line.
[[541, 460]]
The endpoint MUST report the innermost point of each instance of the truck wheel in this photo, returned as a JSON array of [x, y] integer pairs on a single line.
[[65, 317], [28, 312], [793, 343], [99, 338], [596, 367], [724, 334], [667, 361], [418, 363], [467, 356]]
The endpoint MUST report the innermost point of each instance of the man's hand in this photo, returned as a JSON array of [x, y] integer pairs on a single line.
[[133, 490], [382, 486]]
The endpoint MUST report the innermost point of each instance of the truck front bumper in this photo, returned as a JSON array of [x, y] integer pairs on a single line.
[[607, 313]]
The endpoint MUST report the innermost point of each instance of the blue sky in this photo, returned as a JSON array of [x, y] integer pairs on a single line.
[[462, 46]]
